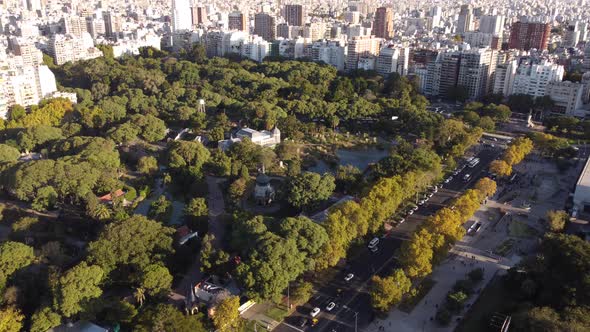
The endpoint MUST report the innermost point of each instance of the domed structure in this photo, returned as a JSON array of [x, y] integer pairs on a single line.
[[264, 193]]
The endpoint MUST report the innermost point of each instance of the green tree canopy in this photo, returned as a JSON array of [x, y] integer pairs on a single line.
[[8, 153], [156, 280], [308, 189], [167, 318], [136, 242], [77, 286]]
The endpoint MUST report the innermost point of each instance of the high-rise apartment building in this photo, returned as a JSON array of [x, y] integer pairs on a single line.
[[532, 76], [68, 48], [449, 72], [567, 97], [361, 47], [504, 77], [112, 24], [476, 71], [572, 35], [198, 15], [74, 25], [26, 50], [330, 52], [294, 15], [493, 24], [529, 35], [383, 25], [265, 27], [237, 21], [393, 60], [181, 15], [465, 21]]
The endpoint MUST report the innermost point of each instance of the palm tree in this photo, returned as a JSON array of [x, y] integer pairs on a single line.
[[139, 295], [100, 212]]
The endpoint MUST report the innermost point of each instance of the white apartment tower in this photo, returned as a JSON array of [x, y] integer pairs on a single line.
[[532, 78], [504, 77], [393, 60], [361, 47], [181, 15]]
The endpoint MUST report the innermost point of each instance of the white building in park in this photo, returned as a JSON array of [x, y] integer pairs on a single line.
[[264, 138]]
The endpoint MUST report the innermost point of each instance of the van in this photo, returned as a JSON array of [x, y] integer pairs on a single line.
[[374, 242]]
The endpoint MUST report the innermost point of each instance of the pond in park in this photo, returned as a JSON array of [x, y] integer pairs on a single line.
[[359, 158]]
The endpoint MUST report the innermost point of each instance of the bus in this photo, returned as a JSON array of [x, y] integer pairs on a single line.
[[473, 162]]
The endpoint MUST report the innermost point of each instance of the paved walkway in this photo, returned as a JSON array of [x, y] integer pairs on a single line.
[[216, 207], [256, 313]]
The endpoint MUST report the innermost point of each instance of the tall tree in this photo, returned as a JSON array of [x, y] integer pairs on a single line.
[[135, 242], [389, 291], [78, 286], [227, 317], [156, 280], [11, 319]]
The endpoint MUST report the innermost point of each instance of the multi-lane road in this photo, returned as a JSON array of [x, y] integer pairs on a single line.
[[353, 303]]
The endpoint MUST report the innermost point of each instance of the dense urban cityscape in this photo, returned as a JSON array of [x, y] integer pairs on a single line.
[[294, 165]]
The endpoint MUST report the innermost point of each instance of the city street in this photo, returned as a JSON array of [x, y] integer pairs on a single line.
[[352, 300]]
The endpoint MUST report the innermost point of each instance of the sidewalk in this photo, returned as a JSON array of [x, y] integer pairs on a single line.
[[454, 268]]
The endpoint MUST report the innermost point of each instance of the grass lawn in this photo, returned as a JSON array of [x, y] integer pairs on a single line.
[[276, 313], [492, 300], [521, 229], [409, 302], [504, 248]]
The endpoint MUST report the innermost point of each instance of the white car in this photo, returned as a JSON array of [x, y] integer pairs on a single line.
[[411, 212], [315, 312], [430, 195], [374, 242], [349, 277], [422, 202], [330, 306], [401, 221], [449, 179]]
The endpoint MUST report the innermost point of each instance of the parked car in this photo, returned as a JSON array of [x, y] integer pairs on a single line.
[[401, 221], [374, 242], [449, 179], [330, 306], [315, 312]]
